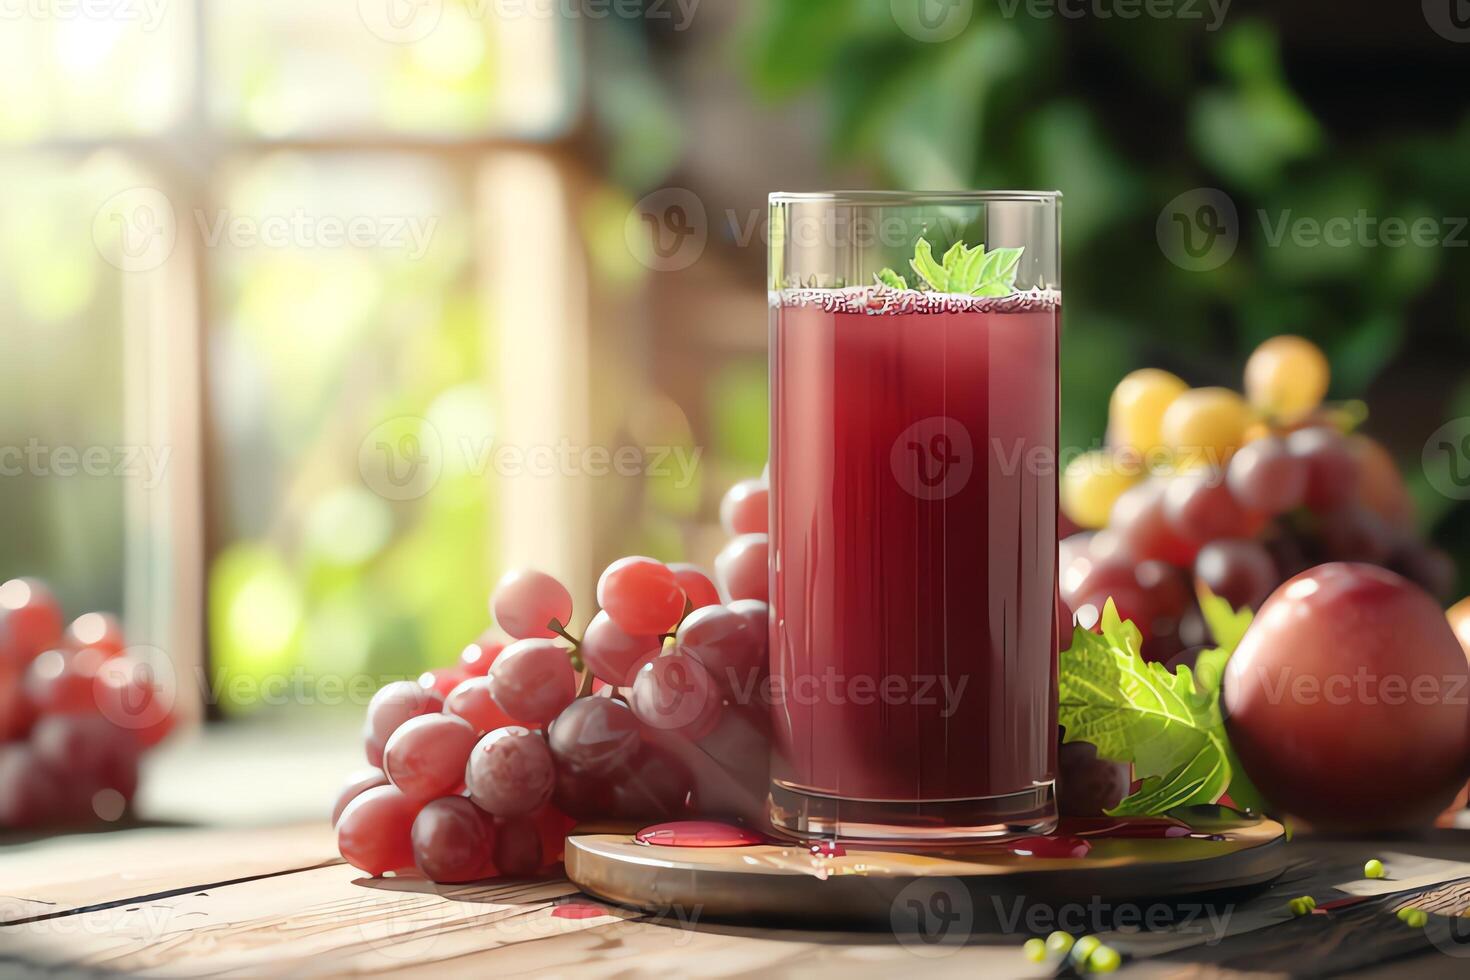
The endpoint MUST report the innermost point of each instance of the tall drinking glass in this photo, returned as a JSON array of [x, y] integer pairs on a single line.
[[913, 514]]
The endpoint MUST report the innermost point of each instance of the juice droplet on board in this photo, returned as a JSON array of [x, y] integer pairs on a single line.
[[827, 849], [1051, 847], [578, 910], [698, 833]]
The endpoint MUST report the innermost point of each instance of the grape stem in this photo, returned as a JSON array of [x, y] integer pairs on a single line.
[[556, 627]]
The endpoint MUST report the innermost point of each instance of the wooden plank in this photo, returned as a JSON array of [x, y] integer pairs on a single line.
[[65, 874]]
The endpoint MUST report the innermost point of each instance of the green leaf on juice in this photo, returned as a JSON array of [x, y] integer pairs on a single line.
[[968, 270], [891, 279], [927, 269]]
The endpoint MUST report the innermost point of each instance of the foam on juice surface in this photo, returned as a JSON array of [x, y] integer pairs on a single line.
[[880, 300]]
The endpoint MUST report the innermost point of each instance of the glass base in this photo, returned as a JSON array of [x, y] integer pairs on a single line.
[[804, 815]]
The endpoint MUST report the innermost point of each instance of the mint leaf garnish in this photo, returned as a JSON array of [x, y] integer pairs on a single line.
[[891, 279], [1162, 722], [968, 270]]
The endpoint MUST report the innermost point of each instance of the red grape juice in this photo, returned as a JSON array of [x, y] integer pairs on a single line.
[[914, 561]]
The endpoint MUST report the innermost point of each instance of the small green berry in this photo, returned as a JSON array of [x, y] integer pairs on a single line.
[[1403, 913], [1035, 950], [1059, 942], [1104, 959], [1084, 948], [1373, 869], [1298, 907], [1415, 918]]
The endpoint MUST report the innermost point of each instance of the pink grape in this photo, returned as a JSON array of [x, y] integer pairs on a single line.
[[372, 746], [358, 783], [745, 509], [518, 847], [16, 711], [642, 595], [533, 680], [31, 793], [698, 587], [1087, 785], [453, 841], [1240, 572], [1144, 532], [594, 737], [426, 756], [97, 630], [394, 704], [473, 701], [1200, 507], [58, 682], [375, 831], [676, 694], [526, 600], [91, 752], [1265, 477], [727, 644], [1332, 470], [136, 691], [510, 772], [476, 658], [656, 787], [1352, 533], [758, 614], [443, 679], [742, 569], [32, 616], [614, 656]]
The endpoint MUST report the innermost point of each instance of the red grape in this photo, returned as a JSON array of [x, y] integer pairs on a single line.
[[758, 614], [676, 694], [476, 658], [375, 831], [510, 772], [641, 595], [91, 753], [1156, 600], [742, 569], [1346, 701], [1352, 533], [1432, 569], [443, 679], [472, 700], [453, 841], [57, 682], [136, 691], [16, 711], [1143, 530], [1087, 785], [1200, 507], [100, 631], [426, 756], [526, 600], [1267, 478], [372, 746], [614, 656], [358, 783], [698, 588], [30, 791], [394, 704], [32, 615], [533, 680], [746, 508], [518, 847], [1240, 572], [655, 787], [595, 737], [727, 645], [1332, 470]]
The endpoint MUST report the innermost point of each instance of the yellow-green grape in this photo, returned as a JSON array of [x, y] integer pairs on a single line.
[[1104, 959], [1303, 905], [1059, 942], [1205, 425], [1374, 869], [1035, 950], [1287, 378], [1084, 949], [1414, 918], [1136, 411], [1092, 483]]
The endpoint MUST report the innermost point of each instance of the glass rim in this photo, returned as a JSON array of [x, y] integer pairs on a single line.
[[913, 198]]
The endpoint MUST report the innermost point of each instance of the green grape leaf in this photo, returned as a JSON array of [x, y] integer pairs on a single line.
[[1227, 625], [927, 269], [1165, 724], [891, 279]]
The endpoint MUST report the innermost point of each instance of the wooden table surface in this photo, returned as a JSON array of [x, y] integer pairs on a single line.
[[277, 901]]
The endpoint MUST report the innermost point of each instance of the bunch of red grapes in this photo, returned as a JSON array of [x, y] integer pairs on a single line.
[[1206, 487], [78, 708], [654, 713]]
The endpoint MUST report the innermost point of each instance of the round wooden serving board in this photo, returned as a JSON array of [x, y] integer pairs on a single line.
[[779, 883]]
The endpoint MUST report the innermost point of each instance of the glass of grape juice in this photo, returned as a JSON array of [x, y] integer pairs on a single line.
[[914, 403]]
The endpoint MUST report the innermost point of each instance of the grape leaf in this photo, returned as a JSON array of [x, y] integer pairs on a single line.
[[968, 270], [927, 269], [891, 279], [1138, 712]]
